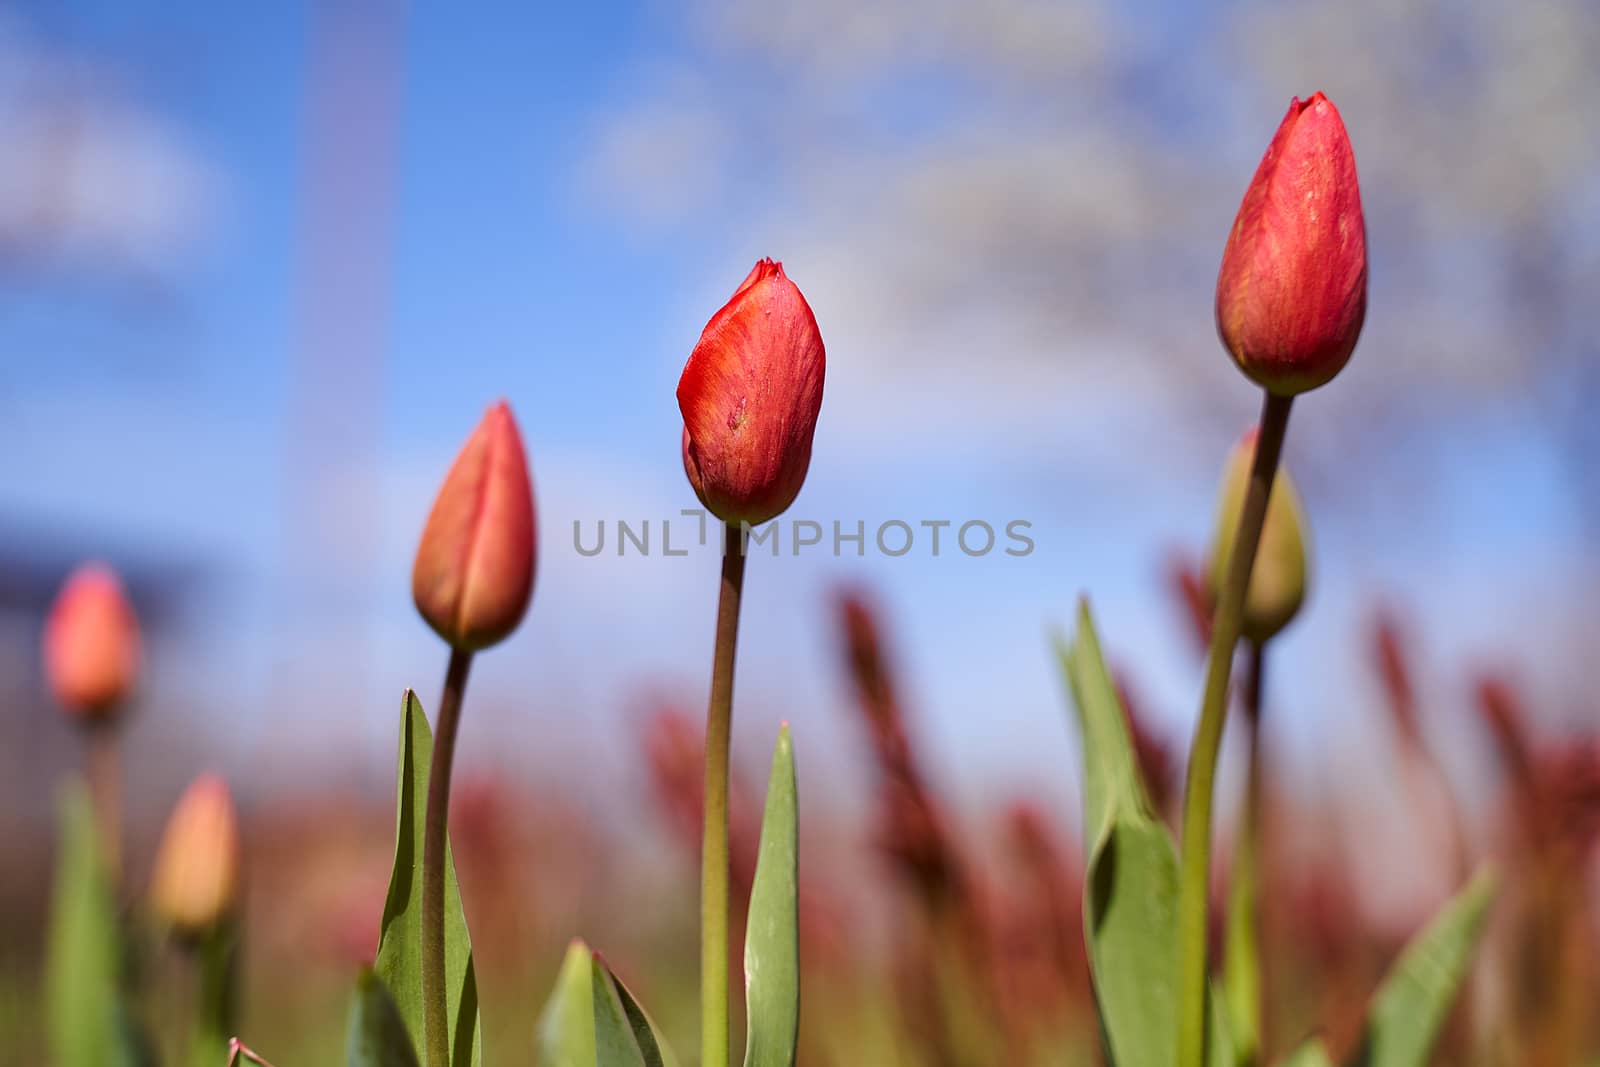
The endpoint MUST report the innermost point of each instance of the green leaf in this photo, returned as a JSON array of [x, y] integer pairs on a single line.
[[1414, 1000], [88, 1023], [1111, 782], [772, 938], [1220, 1050], [81, 981], [1311, 1054], [592, 1020], [132, 1045], [652, 1045], [377, 1035], [215, 1021], [614, 1042], [1131, 885], [399, 962], [565, 1035], [1131, 923]]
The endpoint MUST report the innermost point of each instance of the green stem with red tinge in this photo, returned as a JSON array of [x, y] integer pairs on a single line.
[[1201, 779], [714, 847], [103, 760], [1243, 959], [435, 1003]]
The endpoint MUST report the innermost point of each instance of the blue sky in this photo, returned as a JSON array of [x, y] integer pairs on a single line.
[[572, 193]]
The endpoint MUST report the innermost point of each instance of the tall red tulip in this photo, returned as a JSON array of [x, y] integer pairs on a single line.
[[472, 581], [1291, 298], [91, 644], [750, 395], [1292, 291], [474, 569]]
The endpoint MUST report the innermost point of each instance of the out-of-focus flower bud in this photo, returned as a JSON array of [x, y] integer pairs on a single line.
[[1292, 291], [196, 881], [1278, 580], [1186, 580], [750, 395], [474, 571], [1392, 657], [91, 644], [1503, 711]]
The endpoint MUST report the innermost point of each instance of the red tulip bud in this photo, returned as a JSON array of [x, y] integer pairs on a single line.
[[750, 395], [196, 881], [1292, 292], [91, 644], [474, 569]]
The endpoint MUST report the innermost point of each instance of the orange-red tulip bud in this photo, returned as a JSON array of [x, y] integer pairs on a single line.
[[196, 881], [91, 644], [750, 395], [474, 571], [1292, 292]]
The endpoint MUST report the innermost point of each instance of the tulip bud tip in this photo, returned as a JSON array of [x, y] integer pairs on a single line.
[[473, 574], [91, 644], [749, 396], [1292, 288], [196, 878]]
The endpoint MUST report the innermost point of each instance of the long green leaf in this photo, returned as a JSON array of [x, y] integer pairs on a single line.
[[1111, 781], [1131, 884], [399, 962], [377, 1035], [772, 938], [88, 1023], [1414, 1000], [81, 980]]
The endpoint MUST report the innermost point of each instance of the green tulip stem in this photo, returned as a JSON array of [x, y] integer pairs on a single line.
[[435, 1007], [714, 849], [103, 769], [1201, 778], [1243, 959]]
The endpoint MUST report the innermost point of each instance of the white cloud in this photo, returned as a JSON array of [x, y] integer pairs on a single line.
[[88, 178], [1032, 196]]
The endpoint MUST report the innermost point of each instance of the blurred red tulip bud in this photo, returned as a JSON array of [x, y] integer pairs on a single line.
[[1193, 595], [196, 881], [474, 569], [1278, 579], [91, 644], [1292, 292], [1393, 660], [1504, 713], [750, 395]]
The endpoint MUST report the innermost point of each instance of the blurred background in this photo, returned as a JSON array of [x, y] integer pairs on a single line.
[[261, 270]]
